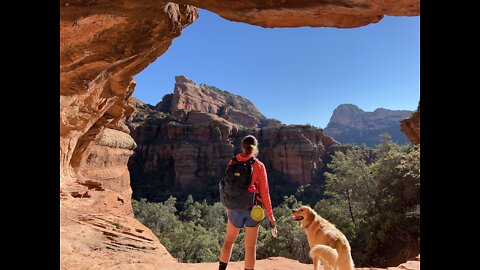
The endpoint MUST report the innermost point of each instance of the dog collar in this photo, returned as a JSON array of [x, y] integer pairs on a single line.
[[306, 227]]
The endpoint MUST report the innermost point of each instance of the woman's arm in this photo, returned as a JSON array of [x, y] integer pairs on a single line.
[[265, 192]]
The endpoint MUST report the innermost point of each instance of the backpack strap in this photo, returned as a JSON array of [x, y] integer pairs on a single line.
[[232, 161], [250, 162]]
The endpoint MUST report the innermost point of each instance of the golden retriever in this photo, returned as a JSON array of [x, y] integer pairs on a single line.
[[327, 243]]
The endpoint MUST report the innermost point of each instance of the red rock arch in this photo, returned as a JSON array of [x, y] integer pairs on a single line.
[[103, 44]]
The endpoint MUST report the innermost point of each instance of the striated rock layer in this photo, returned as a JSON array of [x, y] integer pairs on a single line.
[[96, 217], [191, 97], [187, 152], [102, 45], [189, 148], [100, 51]]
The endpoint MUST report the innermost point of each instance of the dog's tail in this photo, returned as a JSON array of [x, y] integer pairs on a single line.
[[327, 254], [345, 261]]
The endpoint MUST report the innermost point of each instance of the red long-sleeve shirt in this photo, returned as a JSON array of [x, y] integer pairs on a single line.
[[260, 178]]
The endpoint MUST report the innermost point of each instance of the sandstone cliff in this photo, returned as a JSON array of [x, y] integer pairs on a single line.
[[102, 45], [188, 148], [350, 124], [191, 97]]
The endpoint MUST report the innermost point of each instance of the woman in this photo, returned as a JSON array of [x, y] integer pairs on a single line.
[[239, 218]]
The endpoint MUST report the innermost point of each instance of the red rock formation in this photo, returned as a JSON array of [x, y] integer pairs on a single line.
[[271, 123], [189, 96], [96, 218], [197, 150], [186, 147], [411, 126], [189, 147], [295, 151], [281, 13], [99, 53], [102, 45], [242, 118]]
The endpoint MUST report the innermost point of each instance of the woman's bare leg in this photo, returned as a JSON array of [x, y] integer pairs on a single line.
[[230, 237], [251, 234]]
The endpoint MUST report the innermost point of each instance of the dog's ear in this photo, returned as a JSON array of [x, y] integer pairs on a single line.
[[309, 209], [310, 213]]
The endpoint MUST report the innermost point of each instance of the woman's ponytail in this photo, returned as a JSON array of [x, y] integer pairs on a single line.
[[249, 145]]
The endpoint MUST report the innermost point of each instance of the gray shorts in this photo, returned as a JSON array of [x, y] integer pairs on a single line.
[[241, 217]]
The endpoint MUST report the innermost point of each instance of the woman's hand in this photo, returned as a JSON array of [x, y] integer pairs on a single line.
[[273, 224], [273, 229]]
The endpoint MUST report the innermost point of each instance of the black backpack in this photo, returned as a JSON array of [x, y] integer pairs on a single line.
[[233, 187]]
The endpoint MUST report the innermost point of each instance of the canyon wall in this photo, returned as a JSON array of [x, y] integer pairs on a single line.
[[102, 45], [188, 147]]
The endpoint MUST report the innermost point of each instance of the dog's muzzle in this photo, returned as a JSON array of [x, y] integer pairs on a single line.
[[297, 218]]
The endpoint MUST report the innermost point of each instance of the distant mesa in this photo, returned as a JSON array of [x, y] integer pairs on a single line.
[[350, 124]]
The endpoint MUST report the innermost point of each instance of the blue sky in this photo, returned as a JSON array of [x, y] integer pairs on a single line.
[[296, 75]]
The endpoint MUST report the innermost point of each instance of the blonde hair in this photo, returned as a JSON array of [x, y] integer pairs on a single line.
[[250, 145]]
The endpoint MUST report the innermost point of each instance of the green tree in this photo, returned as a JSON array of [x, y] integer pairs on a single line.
[[191, 210], [375, 204], [158, 217], [191, 243], [392, 235], [193, 235], [350, 184]]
